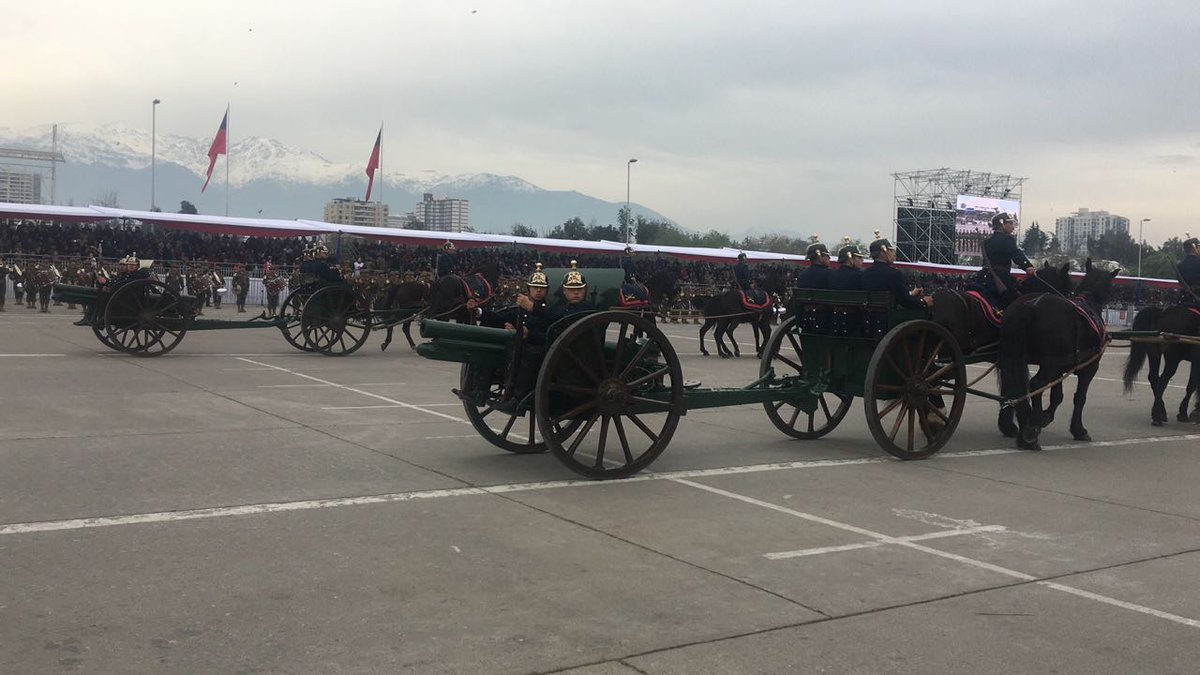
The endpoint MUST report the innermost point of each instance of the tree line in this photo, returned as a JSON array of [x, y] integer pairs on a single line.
[[1117, 247]]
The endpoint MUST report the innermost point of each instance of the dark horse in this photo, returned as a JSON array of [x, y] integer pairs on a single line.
[[401, 298], [1178, 320], [725, 312], [1060, 336], [663, 287], [447, 296], [966, 319]]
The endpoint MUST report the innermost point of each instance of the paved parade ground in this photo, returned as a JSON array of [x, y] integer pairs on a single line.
[[237, 506]]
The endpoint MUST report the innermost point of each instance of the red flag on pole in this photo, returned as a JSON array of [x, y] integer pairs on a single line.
[[373, 164], [217, 148]]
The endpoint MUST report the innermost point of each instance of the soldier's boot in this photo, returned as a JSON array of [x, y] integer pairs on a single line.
[[527, 373]]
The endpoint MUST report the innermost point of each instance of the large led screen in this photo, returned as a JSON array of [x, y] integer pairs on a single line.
[[973, 218]]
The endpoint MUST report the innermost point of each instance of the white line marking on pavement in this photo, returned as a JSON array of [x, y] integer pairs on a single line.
[[784, 555], [394, 402], [1121, 603], [909, 543], [385, 399], [364, 384], [105, 521], [391, 406]]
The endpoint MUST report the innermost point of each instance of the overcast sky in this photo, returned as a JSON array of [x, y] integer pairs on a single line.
[[772, 115]]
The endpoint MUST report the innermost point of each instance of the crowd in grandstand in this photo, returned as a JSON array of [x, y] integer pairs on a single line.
[[66, 242]]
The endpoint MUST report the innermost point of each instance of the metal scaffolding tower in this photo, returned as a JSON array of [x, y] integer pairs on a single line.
[[925, 208]]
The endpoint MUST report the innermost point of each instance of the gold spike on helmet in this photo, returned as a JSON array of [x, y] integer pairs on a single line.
[[574, 278], [879, 245], [538, 278]]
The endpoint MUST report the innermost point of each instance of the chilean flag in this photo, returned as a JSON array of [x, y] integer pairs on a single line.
[[218, 147], [373, 164]]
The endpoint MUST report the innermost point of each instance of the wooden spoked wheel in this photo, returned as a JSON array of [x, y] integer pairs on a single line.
[[335, 321], [807, 417], [145, 318], [915, 362], [289, 320], [596, 380], [100, 329], [516, 433]]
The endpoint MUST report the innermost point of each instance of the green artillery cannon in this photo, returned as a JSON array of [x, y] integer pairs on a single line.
[[609, 392], [145, 317]]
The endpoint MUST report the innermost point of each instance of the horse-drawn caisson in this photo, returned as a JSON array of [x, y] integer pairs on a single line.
[[135, 313], [609, 390]]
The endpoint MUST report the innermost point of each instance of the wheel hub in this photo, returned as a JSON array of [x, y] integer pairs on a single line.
[[612, 395]]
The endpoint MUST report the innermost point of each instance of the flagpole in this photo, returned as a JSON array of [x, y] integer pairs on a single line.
[[228, 147], [381, 164]]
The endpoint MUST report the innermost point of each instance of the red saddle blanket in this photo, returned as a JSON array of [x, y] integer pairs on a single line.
[[634, 295], [989, 312], [476, 287], [755, 300], [1090, 316]]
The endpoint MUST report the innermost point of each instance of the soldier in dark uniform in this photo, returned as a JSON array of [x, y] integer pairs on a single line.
[[447, 260], [848, 275], [241, 286], [31, 286], [844, 320], [883, 276], [535, 323], [128, 269], [320, 267], [5, 268], [813, 318], [742, 279], [1000, 254], [574, 289], [1189, 272], [174, 280], [816, 275], [628, 265]]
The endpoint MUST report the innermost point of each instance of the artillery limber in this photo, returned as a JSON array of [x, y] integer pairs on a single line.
[[145, 317]]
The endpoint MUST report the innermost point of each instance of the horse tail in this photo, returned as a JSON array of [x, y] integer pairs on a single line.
[[1146, 319], [1012, 360]]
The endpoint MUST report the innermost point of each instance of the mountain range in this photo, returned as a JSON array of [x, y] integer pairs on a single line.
[[109, 163]]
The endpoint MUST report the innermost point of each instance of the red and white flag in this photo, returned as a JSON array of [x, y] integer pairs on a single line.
[[218, 147], [373, 164]]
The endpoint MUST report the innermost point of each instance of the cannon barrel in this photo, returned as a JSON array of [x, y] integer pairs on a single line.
[[459, 332], [81, 295]]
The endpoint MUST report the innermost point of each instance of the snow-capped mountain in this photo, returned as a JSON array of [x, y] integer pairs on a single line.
[[270, 178], [250, 159]]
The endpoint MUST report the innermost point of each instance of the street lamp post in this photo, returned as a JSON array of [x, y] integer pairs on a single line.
[[153, 142], [628, 213], [1141, 244]]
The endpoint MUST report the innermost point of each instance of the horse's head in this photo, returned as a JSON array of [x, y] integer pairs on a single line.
[[1058, 278], [773, 281], [662, 285], [1097, 283], [490, 270]]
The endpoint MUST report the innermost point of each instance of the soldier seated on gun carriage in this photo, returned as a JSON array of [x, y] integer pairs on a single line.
[[128, 269], [535, 318], [847, 321], [883, 276], [813, 318]]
